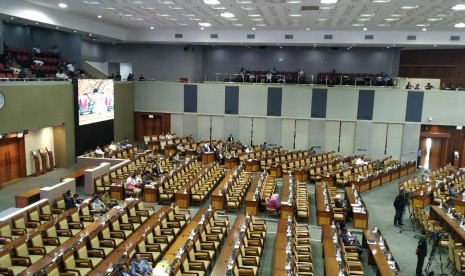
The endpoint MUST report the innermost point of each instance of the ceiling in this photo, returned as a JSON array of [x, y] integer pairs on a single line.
[[393, 15]]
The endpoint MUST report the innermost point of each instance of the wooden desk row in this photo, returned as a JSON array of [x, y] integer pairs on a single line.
[[332, 265], [360, 217], [287, 209], [279, 255], [448, 224], [323, 211], [377, 254], [252, 203]]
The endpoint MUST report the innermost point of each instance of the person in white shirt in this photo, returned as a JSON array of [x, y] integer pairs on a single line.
[[180, 148], [99, 152], [61, 75], [425, 177], [70, 67], [37, 62], [36, 49], [360, 161], [98, 206], [168, 136], [112, 147]]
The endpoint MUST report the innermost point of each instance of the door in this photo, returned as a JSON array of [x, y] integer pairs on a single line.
[[10, 165], [434, 150]]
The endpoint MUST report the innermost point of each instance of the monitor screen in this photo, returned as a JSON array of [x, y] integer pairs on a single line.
[[95, 101]]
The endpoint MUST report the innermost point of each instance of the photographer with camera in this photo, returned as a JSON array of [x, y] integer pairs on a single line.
[[399, 205]]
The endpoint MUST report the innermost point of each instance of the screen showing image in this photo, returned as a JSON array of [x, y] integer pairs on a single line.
[[95, 101]]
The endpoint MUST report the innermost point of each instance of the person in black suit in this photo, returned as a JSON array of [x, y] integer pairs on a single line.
[[422, 251], [231, 138], [123, 271], [399, 205]]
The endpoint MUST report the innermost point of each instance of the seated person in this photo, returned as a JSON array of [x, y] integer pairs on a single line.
[[428, 86], [99, 152], [97, 206], [338, 202], [274, 202], [453, 191], [268, 77], [105, 198], [176, 158], [311, 151], [252, 77], [156, 170], [349, 239], [180, 148], [425, 177], [360, 161], [141, 77], [123, 271], [140, 266], [132, 184], [112, 147], [264, 146], [37, 62], [69, 201]]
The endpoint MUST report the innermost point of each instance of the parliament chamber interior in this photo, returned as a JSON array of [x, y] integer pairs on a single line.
[[136, 141]]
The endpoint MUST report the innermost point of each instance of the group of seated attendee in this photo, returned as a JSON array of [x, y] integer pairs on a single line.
[[271, 76], [372, 79]]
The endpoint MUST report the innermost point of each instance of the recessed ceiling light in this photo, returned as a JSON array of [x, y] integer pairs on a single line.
[[254, 15], [57, 27], [37, 23], [257, 19], [391, 19], [75, 31], [151, 28], [459, 7], [434, 45], [99, 16], [460, 25], [249, 8], [328, 1], [165, 2], [163, 14], [227, 15], [422, 25], [90, 34], [202, 28], [424, 29], [293, 1], [365, 29], [326, 7], [253, 29], [176, 8], [126, 14], [218, 8], [244, 1], [383, 25], [62, 5], [397, 15], [363, 19], [308, 29], [233, 19], [93, 2], [238, 24], [295, 15], [367, 14], [409, 7], [357, 24], [12, 18], [147, 8], [189, 15], [111, 8], [137, 2], [195, 19], [380, 1], [211, 2], [434, 19], [183, 24], [205, 24], [322, 19], [137, 19], [172, 19], [261, 25]]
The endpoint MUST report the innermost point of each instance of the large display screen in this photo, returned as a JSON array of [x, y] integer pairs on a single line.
[[95, 101]]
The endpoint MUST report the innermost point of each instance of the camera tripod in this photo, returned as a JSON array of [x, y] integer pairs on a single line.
[[401, 226], [434, 249]]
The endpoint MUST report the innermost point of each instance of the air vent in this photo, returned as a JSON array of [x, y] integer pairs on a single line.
[[214, 36], [177, 35], [411, 37], [455, 38], [328, 37], [250, 36], [369, 37], [288, 36], [309, 8]]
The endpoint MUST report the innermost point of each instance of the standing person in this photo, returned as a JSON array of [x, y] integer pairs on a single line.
[[231, 138], [399, 205], [422, 251], [419, 154]]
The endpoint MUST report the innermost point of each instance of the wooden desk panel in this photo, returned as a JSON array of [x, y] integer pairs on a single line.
[[150, 194], [301, 175], [362, 185], [448, 224], [376, 255], [116, 191], [218, 201], [251, 205], [330, 180], [360, 218], [208, 157], [385, 177], [221, 266], [323, 215], [286, 208], [252, 165], [231, 163], [78, 175], [276, 171], [329, 251], [28, 197], [279, 259], [375, 181]]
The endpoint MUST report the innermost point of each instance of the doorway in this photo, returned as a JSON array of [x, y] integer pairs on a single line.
[[11, 155], [434, 151]]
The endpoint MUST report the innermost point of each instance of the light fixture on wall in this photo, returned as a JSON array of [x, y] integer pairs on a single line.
[[20, 134]]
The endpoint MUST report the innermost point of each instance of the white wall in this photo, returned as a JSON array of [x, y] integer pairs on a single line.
[[34, 140]]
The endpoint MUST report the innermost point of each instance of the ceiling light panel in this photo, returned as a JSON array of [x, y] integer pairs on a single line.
[[211, 2], [93, 2], [459, 7], [328, 1]]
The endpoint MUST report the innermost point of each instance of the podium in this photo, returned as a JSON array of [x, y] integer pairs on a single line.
[[43, 159], [208, 157], [51, 163], [35, 156]]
